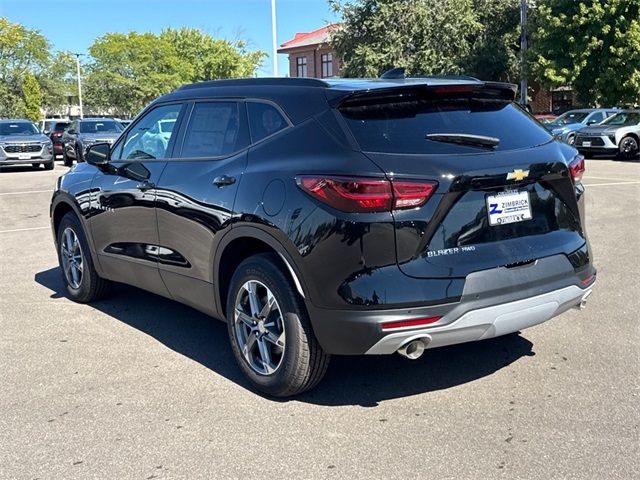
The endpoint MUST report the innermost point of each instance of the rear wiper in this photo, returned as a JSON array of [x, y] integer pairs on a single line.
[[480, 141]]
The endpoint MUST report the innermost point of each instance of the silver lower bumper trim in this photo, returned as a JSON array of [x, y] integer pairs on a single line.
[[488, 322]]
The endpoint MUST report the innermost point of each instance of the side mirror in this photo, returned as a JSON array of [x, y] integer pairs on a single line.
[[134, 171], [71, 131], [98, 154], [592, 121]]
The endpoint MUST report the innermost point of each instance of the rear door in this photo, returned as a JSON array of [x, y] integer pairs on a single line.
[[496, 204]]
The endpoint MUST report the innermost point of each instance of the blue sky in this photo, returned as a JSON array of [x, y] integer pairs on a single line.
[[74, 24]]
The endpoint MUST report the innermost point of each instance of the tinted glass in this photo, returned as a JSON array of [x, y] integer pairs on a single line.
[[18, 128], [146, 140], [213, 130], [100, 126], [571, 117], [264, 120], [401, 126], [60, 126], [623, 119], [596, 117]]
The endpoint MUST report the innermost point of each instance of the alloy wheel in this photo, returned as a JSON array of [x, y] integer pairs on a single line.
[[259, 327], [72, 258], [629, 146]]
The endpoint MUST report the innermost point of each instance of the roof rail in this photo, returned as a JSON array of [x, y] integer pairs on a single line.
[[258, 82]]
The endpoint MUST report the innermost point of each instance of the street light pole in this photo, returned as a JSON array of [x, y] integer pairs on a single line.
[[523, 52], [79, 82], [274, 39]]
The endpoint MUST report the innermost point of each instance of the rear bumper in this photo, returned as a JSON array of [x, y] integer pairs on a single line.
[[494, 302], [488, 322]]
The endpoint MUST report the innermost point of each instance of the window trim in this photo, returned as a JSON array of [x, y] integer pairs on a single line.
[[301, 62], [327, 62]]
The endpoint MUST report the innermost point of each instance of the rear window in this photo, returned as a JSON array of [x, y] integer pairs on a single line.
[[401, 125]]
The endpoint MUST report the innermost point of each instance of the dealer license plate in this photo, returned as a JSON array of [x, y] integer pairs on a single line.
[[24, 156], [509, 206], [586, 144]]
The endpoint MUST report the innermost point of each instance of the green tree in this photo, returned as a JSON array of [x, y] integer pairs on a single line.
[[423, 36], [128, 70], [32, 95], [58, 81], [24, 56], [593, 45], [495, 49], [213, 58]]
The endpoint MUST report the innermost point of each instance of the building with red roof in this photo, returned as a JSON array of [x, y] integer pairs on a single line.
[[310, 54]]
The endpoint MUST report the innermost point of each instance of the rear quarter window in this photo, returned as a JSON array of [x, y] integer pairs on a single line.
[[401, 126]]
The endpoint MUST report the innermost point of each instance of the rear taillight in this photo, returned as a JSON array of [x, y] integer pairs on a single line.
[[576, 168], [361, 195]]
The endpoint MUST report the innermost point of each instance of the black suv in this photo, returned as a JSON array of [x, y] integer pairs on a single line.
[[333, 217]]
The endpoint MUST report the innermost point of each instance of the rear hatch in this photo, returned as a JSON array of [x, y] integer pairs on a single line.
[[505, 195]]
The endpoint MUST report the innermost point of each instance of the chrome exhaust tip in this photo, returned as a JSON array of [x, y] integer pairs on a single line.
[[414, 349], [583, 301]]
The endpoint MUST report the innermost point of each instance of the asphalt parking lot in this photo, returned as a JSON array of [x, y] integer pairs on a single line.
[[140, 387]]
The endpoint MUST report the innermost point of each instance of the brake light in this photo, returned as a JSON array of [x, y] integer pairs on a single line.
[[362, 195], [576, 168], [416, 322], [56, 134]]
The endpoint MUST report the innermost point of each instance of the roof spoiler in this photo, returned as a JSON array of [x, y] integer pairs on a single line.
[[489, 90]]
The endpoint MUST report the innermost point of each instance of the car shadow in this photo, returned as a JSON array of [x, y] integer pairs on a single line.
[[359, 380], [614, 158]]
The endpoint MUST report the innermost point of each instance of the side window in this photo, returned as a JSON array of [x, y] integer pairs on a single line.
[[214, 130], [264, 120], [147, 140], [596, 118]]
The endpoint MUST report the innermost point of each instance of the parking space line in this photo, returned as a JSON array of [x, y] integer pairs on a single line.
[[25, 193], [612, 183], [24, 229]]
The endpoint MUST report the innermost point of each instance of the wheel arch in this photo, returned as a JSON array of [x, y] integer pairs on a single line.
[[241, 243]]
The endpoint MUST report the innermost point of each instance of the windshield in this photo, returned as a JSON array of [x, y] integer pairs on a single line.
[[623, 119], [100, 126], [571, 117], [18, 128], [441, 126]]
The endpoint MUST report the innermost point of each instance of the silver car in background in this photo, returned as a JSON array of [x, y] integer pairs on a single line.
[[564, 127], [617, 135], [22, 143]]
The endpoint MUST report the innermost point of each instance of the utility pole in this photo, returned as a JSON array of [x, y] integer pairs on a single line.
[[274, 39], [523, 52], [79, 82]]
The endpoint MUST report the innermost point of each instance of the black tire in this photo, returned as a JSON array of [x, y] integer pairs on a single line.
[[91, 287], [79, 155], [303, 363], [571, 139], [35, 165], [65, 159], [49, 166], [628, 148]]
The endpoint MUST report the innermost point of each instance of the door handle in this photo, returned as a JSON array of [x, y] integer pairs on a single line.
[[223, 181], [145, 185]]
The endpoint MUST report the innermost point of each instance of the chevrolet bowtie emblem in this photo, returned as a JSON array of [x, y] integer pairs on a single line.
[[518, 175]]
